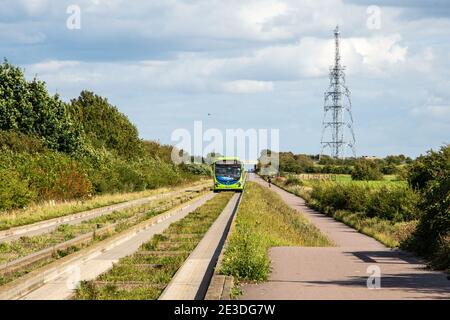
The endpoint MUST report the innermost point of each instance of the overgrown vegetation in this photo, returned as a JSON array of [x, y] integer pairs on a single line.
[[430, 176], [144, 274], [52, 150], [366, 170], [414, 215], [386, 211], [389, 201], [263, 221]]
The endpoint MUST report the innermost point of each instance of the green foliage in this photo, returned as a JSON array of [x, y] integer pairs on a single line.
[[95, 116], [293, 180], [391, 202], [197, 169], [430, 175], [246, 257], [28, 108], [366, 170], [396, 203], [14, 192], [19, 142], [295, 163], [49, 175], [158, 151], [67, 151]]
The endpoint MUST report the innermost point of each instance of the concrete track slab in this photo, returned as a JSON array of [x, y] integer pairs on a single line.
[[63, 286], [192, 279]]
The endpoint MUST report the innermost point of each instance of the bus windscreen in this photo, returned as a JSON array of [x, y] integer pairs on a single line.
[[229, 171]]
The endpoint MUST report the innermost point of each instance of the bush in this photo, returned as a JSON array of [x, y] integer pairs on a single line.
[[430, 176], [19, 142], [339, 196], [65, 151], [293, 180], [393, 202], [366, 170], [14, 191], [50, 175]]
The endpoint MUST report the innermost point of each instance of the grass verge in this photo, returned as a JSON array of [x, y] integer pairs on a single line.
[[144, 274], [263, 221]]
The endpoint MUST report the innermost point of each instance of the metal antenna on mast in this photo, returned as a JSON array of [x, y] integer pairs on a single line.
[[337, 105]]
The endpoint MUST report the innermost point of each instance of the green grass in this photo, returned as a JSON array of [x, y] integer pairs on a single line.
[[263, 221], [144, 274], [44, 211]]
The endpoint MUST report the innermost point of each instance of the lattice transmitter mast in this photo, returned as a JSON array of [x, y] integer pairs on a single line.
[[337, 120]]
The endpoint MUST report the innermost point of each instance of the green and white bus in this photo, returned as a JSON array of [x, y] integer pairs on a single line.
[[229, 174]]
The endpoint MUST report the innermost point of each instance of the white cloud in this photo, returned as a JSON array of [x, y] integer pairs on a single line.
[[34, 7], [378, 53], [435, 108], [247, 86], [52, 66]]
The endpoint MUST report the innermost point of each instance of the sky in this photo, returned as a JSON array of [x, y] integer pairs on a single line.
[[250, 64]]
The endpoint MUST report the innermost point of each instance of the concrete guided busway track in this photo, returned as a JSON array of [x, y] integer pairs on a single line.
[[49, 225], [59, 279], [192, 280]]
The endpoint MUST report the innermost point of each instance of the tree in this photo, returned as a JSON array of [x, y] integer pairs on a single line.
[[28, 108], [430, 176], [158, 151], [104, 126], [366, 170]]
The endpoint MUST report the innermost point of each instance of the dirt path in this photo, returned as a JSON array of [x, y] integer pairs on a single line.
[[342, 272]]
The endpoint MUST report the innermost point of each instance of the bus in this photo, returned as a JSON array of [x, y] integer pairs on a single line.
[[229, 174]]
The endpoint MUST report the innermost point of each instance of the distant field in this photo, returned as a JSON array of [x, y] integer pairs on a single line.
[[310, 179]]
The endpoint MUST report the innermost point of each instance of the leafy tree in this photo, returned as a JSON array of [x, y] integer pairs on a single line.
[[430, 175], [158, 151], [28, 108], [366, 170], [104, 126]]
